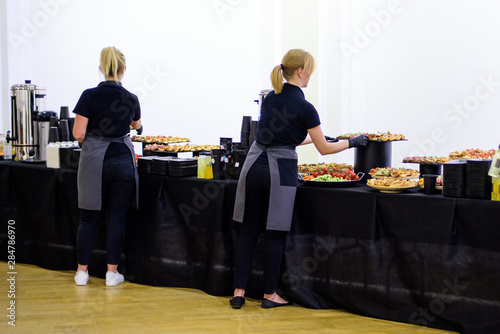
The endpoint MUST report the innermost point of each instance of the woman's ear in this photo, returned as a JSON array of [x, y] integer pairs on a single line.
[[300, 72]]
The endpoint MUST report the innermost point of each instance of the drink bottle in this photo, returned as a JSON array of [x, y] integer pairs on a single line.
[[495, 164]]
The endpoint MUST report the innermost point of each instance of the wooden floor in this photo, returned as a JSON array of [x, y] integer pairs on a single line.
[[49, 302]]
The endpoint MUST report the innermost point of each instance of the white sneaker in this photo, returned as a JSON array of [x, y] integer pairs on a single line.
[[81, 277], [113, 279]]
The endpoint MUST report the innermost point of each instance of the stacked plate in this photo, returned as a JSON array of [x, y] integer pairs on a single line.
[[183, 167], [454, 178], [144, 164], [478, 182], [160, 165]]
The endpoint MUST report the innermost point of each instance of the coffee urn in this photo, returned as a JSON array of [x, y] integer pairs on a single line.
[[26, 101]]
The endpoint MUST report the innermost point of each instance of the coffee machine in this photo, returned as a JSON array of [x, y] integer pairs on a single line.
[[26, 101]]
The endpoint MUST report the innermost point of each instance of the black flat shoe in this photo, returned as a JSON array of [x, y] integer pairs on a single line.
[[266, 303], [237, 302]]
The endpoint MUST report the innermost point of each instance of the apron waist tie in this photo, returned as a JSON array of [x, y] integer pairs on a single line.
[[283, 147], [108, 139]]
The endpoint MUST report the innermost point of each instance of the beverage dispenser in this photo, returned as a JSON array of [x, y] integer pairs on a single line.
[[26, 101]]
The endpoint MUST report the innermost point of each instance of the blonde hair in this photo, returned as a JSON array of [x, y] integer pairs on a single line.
[[112, 62], [292, 61]]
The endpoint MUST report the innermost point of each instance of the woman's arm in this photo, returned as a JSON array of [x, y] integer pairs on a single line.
[[80, 127], [136, 124], [324, 147]]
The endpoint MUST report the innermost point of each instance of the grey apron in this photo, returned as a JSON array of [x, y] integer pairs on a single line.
[[89, 177], [283, 172]]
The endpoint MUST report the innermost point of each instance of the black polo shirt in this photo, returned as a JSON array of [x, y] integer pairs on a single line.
[[110, 109], [285, 118]]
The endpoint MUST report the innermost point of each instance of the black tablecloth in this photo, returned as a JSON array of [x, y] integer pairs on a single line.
[[427, 260]]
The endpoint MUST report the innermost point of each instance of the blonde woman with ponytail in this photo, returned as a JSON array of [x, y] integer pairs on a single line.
[[107, 175], [268, 181]]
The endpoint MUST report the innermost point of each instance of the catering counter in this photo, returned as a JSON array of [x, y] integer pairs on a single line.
[[428, 260]]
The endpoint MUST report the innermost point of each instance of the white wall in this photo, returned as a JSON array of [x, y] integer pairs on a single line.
[[4, 101], [420, 69], [300, 31], [383, 65], [192, 64]]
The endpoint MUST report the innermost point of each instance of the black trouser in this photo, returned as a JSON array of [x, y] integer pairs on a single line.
[[118, 182], [258, 184]]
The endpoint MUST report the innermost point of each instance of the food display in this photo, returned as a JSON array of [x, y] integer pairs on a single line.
[[393, 180], [337, 172], [389, 182], [472, 154], [390, 185], [324, 178], [380, 136], [159, 139], [179, 148], [427, 160], [330, 175], [394, 173], [341, 175]]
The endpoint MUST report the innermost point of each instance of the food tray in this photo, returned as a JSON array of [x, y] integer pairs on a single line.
[[390, 189], [378, 140], [332, 184], [425, 163], [416, 177]]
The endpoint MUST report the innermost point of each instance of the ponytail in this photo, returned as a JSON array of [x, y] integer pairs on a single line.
[[112, 62], [277, 79], [292, 61]]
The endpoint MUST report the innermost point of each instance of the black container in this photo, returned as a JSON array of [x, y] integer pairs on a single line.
[[226, 144], [430, 183], [246, 124], [477, 181], [236, 163], [375, 154], [245, 131], [253, 132], [71, 123], [63, 130], [219, 163], [64, 113], [218, 155], [245, 139], [53, 134], [236, 146], [69, 157], [54, 121], [454, 178], [219, 170], [431, 169]]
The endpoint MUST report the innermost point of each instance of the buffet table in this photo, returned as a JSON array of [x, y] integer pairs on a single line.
[[428, 260]]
